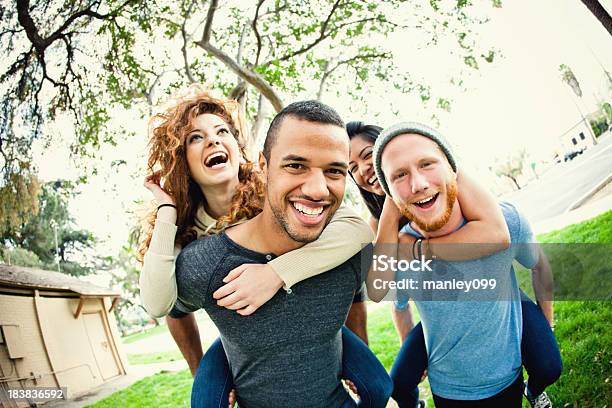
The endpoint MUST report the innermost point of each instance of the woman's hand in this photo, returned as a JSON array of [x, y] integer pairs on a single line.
[[232, 398], [152, 183], [390, 212], [248, 287], [351, 386]]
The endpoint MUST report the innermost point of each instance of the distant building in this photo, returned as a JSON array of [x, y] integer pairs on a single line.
[[574, 141], [55, 331]]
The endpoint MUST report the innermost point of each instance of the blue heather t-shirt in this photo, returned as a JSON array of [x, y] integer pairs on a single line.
[[473, 341]]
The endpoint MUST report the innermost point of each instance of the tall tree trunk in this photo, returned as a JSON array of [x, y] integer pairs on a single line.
[[600, 13]]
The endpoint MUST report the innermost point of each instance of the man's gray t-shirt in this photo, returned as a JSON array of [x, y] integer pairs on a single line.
[[288, 353]]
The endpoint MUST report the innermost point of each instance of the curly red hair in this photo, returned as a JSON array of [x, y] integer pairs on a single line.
[[167, 155]]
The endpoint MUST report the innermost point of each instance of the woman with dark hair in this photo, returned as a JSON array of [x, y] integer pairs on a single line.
[[373, 195], [362, 172], [540, 352]]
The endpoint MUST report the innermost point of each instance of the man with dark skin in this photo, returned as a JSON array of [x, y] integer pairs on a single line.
[[305, 165]]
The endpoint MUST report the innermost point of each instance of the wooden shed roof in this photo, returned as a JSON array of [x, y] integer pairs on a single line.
[[31, 278]]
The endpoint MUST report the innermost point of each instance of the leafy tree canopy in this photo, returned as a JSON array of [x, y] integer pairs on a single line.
[[86, 59]]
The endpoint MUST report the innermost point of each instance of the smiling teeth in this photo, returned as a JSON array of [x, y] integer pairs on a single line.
[[372, 179], [308, 210], [425, 200], [212, 156]]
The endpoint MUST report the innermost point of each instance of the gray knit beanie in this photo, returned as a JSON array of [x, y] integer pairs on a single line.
[[400, 129]]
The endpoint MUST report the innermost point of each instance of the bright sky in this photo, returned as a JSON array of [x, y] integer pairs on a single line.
[[518, 101]]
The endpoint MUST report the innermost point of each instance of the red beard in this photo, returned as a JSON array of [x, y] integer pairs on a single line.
[[451, 195]]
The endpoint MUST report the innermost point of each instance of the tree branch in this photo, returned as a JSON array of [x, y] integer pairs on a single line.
[[327, 73], [248, 75], [322, 36], [184, 48], [24, 18], [40, 43], [600, 13], [239, 92], [9, 31], [243, 34], [209, 21], [275, 11], [259, 120], [254, 25], [85, 12], [149, 93]]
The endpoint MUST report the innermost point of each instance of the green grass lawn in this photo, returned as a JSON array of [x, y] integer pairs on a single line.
[[583, 332], [144, 334], [161, 390], [150, 358]]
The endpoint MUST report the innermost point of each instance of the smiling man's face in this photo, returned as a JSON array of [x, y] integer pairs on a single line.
[[420, 179], [306, 176]]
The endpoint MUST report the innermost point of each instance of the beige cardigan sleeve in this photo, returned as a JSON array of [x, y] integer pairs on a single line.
[[339, 241], [157, 279]]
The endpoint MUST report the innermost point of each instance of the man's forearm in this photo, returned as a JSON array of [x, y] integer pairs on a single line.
[[185, 332], [547, 309], [542, 280], [385, 245]]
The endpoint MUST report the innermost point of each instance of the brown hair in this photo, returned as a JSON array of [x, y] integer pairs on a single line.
[[167, 155]]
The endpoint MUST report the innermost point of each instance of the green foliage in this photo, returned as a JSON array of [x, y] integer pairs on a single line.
[[38, 233], [489, 56], [20, 257], [125, 271], [599, 126], [18, 200], [471, 62], [444, 104], [607, 110], [143, 51], [72, 268], [597, 230], [51, 68]]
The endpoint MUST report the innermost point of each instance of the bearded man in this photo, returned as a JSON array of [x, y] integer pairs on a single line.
[[470, 310]]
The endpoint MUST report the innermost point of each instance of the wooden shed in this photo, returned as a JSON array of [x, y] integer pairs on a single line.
[[55, 331]]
